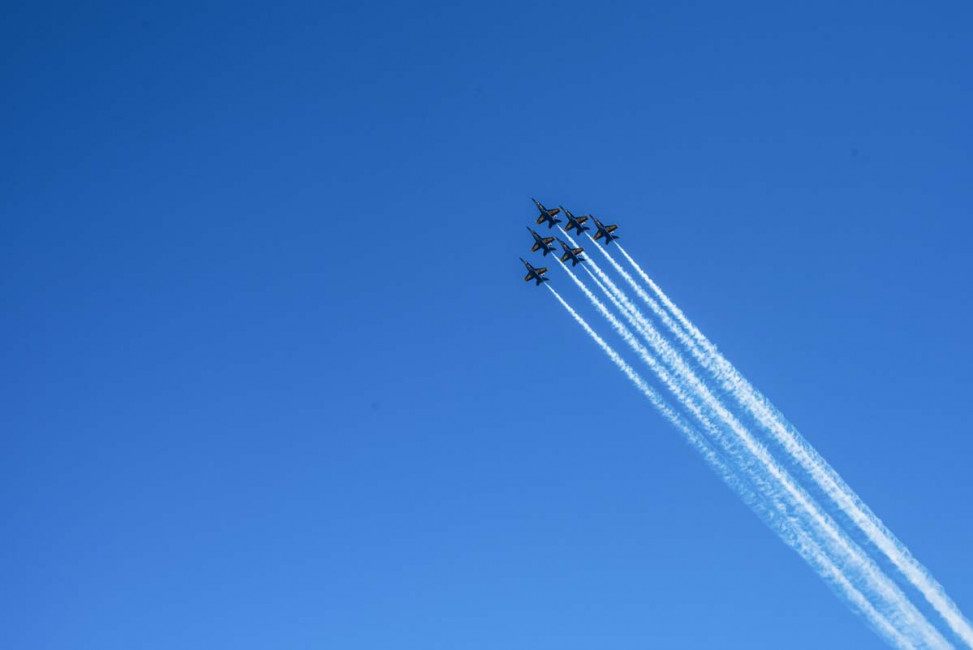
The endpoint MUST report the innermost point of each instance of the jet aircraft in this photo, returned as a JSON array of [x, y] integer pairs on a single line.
[[547, 215], [534, 274], [605, 231], [541, 243], [575, 222], [573, 254]]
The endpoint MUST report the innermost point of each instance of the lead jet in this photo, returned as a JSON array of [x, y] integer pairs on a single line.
[[547, 215], [575, 222], [573, 254], [534, 274], [605, 231], [541, 243]]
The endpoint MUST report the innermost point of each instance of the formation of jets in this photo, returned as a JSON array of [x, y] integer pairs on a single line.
[[572, 254]]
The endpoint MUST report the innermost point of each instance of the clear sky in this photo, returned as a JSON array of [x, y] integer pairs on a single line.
[[271, 379]]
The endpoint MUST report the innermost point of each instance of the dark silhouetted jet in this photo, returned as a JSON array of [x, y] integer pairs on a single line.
[[604, 231], [575, 222], [534, 274], [547, 215], [541, 243], [573, 254]]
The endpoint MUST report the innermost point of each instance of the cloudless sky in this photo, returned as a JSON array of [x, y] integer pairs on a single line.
[[269, 376]]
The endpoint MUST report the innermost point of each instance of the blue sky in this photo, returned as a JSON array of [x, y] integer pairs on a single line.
[[271, 377]]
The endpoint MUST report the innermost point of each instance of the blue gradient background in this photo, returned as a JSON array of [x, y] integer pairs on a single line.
[[270, 377]]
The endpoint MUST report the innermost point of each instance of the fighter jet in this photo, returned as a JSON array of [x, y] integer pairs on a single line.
[[534, 274], [604, 231], [541, 243], [547, 215], [575, 222], [573, 254]]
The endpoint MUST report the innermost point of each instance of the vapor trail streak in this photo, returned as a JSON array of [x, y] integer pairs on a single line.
[[788, 529], [801, 451], [901, 610]]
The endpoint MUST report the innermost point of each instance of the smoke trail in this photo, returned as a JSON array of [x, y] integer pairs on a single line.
[[803, 454], [629, 306], [788, 529], [901, 610], [660, 313]]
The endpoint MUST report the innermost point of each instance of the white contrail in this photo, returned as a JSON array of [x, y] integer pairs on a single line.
[[787, 528], [802, 452], [603, 277], [901, 610], [660, 313], [672, 357]]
